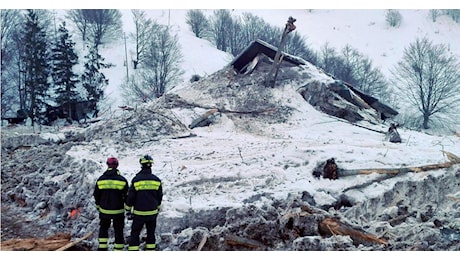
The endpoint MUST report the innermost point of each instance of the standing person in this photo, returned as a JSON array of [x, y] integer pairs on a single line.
[[144, 200], [110, 194]]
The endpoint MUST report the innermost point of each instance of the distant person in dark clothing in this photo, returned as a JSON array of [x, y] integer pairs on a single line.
[[144, 200], [110, 194], [393, 135], [330, 169]]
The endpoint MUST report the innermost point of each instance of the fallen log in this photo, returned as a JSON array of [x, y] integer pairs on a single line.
[[333, 227], [397, 170], [203, 120], [246, 242], [71, 244], [453, 159]]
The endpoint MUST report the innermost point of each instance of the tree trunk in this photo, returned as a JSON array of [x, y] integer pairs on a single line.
[[426, 119], [453, 159]]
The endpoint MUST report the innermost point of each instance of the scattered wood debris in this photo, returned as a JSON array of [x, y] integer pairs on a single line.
[[331, 227], [245, 242], [58, 242], [71, 244]]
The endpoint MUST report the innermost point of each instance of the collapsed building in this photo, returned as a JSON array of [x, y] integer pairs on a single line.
[[338, 98]]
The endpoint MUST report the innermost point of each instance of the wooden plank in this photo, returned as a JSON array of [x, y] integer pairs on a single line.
[[69, 245]]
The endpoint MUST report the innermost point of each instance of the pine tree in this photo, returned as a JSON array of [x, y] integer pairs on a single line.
[[36, 66], [93, 80], [65, 80]]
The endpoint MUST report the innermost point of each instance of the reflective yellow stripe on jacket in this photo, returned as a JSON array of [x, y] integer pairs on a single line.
[[147, 185], [145, 213], [111, 184], [111, 211]]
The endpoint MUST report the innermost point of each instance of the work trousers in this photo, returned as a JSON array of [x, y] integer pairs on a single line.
[[150, 223], [118, 226]]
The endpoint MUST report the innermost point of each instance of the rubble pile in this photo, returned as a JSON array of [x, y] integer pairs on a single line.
[[412, 216]]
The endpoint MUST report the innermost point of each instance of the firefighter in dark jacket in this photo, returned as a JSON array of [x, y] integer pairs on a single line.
[[143, 204], [110, 195]]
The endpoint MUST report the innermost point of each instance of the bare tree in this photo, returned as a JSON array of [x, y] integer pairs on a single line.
[[359, 71], [350, 58], [142, 35], [430, 78], [198, 22], [105, 25], [79, 21], [393, 18], [370, 79], [235, 43], [10, 20], [163, 60], [233, 34], [10, 60], [101, 26], [160, 70], [330, 60], [253, 27], [248, 28], [220, 23], [296, 45], [434, 13], [453, 13]]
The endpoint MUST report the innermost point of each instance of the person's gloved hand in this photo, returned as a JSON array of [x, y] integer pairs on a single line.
[[129, 215]]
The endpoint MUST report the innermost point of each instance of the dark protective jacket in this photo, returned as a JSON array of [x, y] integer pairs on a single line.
[[145, 194], [110, 192]]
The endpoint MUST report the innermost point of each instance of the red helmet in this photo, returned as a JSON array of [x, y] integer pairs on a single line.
[[112, 162]]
